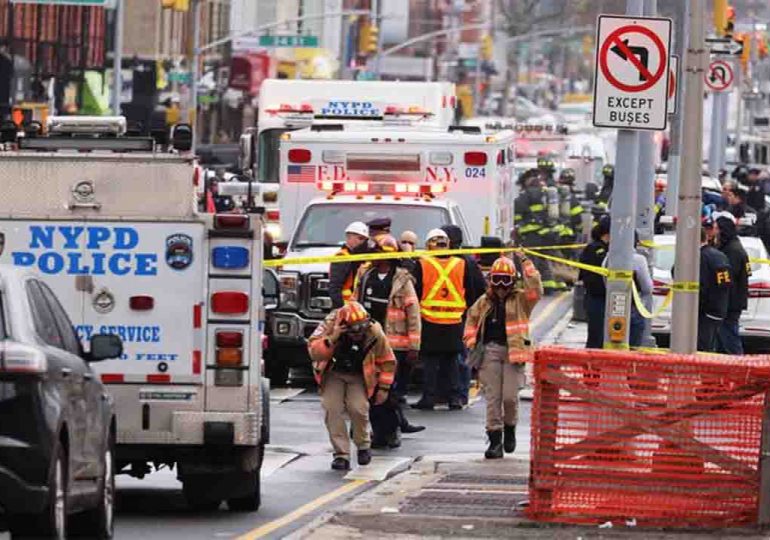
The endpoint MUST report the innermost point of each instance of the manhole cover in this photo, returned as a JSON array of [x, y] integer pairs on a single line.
[[476, 480], [464, 504]]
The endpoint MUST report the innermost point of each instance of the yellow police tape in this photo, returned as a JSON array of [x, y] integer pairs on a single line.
[[363, 257], [610, 275]]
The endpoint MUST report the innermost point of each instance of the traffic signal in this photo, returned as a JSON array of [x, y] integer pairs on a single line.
[[487, 47], [368, 39], [721, 17], [176, 5]]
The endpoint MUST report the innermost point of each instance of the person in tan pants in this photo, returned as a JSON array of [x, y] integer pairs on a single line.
[[353, 364], [497, 331]]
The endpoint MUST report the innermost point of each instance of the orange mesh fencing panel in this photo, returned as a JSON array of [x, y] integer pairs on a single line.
[[668, 440]]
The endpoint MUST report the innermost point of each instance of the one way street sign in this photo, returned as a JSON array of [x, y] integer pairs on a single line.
[[725, 46]]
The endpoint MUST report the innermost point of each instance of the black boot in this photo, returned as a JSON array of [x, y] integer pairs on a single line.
[[509, 439], [495, 450]]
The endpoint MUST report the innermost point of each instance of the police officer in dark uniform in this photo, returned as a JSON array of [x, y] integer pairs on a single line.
[[595, 288], [714, 294]]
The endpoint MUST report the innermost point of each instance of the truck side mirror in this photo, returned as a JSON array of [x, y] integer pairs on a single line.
[[270, 289], [105, 347]]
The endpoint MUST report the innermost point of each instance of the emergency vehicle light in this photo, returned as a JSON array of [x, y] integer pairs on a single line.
[[141, 302], [229, 339], [369, 162], [231, 221], [230, 302], [230, 257], [90, 125], [20, 358], [273, 215], [441, 158], [333, 156], [285, 108], [229, 357], [196, 176], [300, 155], [475, 159]]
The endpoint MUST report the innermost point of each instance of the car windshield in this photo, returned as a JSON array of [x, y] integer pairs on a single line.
[[323, 225], [664, 257]]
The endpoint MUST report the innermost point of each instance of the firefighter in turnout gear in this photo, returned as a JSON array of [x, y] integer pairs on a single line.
[[353, 363], [570, 211], [497, 331], [547, 168], [531, 222]]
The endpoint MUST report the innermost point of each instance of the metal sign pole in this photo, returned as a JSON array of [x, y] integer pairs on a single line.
[[684, 319], [117, 77], [675, 149], [623, 213]]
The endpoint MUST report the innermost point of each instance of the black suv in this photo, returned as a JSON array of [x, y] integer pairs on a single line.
[[57, 424]]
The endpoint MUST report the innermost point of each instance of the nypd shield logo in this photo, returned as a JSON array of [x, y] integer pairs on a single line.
[[179, 251]]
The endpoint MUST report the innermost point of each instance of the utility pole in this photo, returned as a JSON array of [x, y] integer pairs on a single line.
[[117, 77], [195, 71], [623, 214], [684, 319], [681, 24], [645, 192]]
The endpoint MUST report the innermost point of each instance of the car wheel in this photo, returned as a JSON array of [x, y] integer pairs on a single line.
[[198, 495], [99, 522], [52, 522], [250, 502]]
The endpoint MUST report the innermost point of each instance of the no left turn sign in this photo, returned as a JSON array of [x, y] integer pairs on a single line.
[[632, 74], [720, 76]]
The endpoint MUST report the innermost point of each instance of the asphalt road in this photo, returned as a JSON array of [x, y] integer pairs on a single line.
[[298, 484]]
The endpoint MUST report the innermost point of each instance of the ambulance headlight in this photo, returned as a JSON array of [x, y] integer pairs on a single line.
[[289, 290]]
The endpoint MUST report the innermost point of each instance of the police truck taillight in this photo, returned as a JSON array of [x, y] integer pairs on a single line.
[[229, 349], [231, 221], [229, 303]]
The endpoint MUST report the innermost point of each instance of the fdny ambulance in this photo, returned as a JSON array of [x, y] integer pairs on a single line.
[[287, 105], [419, 178], [111, 223], [472, 169]]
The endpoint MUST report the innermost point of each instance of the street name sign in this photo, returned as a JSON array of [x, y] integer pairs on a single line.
[[720, 76], [632, 72], [288, 41]]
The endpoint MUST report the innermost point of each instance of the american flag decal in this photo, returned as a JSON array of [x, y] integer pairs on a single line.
[[301, 174]]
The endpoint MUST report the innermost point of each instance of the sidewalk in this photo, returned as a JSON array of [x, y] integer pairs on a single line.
[[465, 496]]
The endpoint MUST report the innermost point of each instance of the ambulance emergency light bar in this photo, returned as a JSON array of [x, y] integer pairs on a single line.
[[86, 125], [374, 187]]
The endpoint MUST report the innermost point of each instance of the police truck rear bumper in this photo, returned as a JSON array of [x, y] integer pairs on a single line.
[[291, 328], [191, 428]]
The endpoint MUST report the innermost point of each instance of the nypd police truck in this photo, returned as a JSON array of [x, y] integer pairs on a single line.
[[112, 223]]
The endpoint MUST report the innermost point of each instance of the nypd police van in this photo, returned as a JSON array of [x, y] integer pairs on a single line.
[[112, 224]]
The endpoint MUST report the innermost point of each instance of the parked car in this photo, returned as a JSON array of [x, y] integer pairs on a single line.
[[755, 319], [57, 424]]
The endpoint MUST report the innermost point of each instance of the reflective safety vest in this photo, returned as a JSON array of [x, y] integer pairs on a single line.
[[443, 290], [347, 286]]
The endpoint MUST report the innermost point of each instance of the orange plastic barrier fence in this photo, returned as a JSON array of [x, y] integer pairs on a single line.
[[657, 440]]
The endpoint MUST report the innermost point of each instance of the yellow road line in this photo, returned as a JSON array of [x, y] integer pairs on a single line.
[[549, 309], [267, 528]]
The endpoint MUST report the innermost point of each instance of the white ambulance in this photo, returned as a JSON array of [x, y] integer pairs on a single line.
[[286, 105], [111, 223], [460, 164]]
